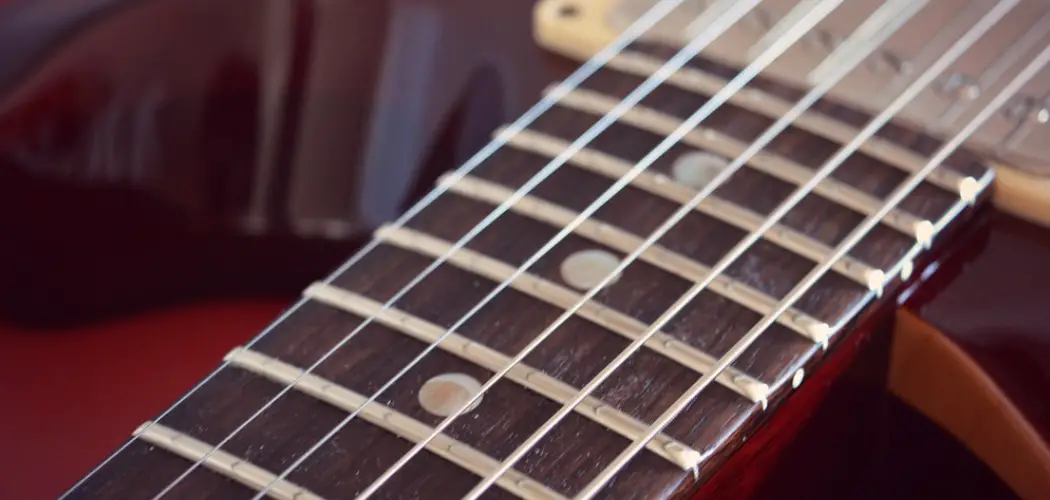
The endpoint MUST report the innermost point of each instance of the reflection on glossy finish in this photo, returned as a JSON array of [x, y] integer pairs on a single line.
[[225, 147], [126, 152], [991, 296]]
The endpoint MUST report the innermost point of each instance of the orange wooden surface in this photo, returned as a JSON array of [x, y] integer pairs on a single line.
[[69, 398]]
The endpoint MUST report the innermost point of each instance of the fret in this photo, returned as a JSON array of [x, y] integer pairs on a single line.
[[382, 416], [755, 100], [221, 462], [559, 296], [722, 144], [674, 451], [714, 206], [656, 255]]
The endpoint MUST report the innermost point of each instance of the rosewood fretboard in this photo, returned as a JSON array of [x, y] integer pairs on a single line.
[[640, 390]]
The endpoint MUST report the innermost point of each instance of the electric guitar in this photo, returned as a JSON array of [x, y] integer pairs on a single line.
[[649, 284]]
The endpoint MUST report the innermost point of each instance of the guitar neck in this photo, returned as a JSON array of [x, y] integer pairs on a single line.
[[486, 285]]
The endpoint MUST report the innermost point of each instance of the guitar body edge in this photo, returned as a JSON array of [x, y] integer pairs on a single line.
[[971, 349], [939, 379]]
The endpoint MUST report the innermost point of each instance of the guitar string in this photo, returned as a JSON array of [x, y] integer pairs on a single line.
[[595, 63], [729, 9], [855, 236], [801, 23], [827, 169]]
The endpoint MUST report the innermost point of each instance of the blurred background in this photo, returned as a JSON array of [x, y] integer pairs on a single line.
[[174, 172]]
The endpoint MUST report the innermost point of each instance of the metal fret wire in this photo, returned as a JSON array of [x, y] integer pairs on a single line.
[[854, 237], [643, 24], [632, 33], [917, 86]]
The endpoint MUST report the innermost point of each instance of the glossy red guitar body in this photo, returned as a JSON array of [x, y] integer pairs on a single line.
[[128, 140], [990, 294], [107, 274], [980, 325], [225, 151]]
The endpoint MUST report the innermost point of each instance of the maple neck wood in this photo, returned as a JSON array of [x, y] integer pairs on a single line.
[[350, 358]]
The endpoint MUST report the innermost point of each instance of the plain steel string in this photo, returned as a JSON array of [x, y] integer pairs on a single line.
[[854, 237], [738, 349], [643, 24], [684, 56], [634, 32], [891, 17], [802, 23]]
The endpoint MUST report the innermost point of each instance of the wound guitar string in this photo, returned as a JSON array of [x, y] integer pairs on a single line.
[[958, 48], [631, 34]]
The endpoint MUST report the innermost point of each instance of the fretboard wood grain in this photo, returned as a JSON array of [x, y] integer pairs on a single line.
[[642, 389]]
